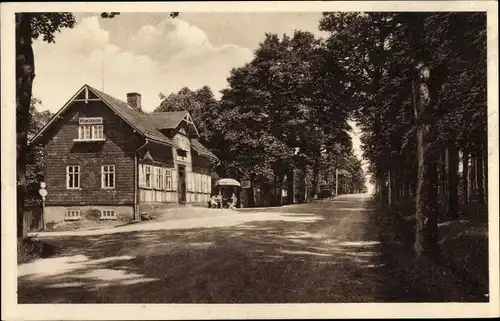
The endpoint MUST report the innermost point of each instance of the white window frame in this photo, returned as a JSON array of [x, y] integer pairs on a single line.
[[105, 172], [189, 181], [148, 171], [168, 179], [108, 215], [72, 215], [159, 178], [90, 132], [73, 173], [204, 183], [198, 183], [97, 131]]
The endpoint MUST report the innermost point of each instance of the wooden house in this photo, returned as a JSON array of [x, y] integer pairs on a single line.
[[107, 159]]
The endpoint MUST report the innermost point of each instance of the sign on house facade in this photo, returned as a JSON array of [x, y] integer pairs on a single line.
[[107, 156]]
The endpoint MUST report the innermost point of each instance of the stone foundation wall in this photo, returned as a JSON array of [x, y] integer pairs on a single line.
[[57, 214]]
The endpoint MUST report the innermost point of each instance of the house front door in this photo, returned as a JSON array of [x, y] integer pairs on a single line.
[[181, 188]]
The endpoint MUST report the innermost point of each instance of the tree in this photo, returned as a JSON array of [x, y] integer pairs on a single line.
[[283, 111], [426, 202], [35, 156], [30, 26], [404, 116], [201, 104], [205, 110]]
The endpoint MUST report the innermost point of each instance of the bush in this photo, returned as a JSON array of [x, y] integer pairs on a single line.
[[93, 215], [29, 249]]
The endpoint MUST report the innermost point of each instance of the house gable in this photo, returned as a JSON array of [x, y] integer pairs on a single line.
[[140, 122], [64, 149], [159, 127], [171, 121]]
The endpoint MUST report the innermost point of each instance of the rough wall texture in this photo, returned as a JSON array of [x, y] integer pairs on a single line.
[[56, 214], [118, 149]]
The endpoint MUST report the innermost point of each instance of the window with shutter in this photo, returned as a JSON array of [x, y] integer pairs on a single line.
[[153, 177], [147, 176], [141, 175], [159, 178], [168, 179], [174, 179], [188, 181]]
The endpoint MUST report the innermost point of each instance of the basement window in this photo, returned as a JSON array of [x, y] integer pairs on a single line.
[[108, 215], [72, 215]]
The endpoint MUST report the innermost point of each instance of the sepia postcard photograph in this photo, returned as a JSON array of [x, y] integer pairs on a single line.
[[294, 159]]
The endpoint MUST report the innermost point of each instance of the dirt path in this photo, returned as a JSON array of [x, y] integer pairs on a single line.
[[326, 251]]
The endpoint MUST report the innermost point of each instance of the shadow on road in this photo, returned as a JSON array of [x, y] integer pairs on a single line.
[[348, 256]]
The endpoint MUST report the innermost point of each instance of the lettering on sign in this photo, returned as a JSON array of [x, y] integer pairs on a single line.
[[90, 120]]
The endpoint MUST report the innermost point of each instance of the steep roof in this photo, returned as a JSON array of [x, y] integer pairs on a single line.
[[202, 150], [142, 122], [148, 125], [167, 119]]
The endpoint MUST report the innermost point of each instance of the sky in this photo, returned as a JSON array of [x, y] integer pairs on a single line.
[[151, 53]]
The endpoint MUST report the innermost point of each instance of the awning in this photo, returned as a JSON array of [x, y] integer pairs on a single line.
[[228, 182]]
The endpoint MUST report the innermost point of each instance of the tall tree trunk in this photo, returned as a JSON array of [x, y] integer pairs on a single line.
[[394, 188], [276, 191], [290, 179], [389, 185], [25, 73], [314, 189], [397, 187], [251, 192], [443, 186], [404, 190], [473, 177], [485, 176], [384, 189], [425, 212], [452, 182], [479, 177], [465, 180]]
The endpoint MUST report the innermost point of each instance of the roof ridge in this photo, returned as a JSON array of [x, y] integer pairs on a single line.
[[175, 111], [140, 121], [106, 94]]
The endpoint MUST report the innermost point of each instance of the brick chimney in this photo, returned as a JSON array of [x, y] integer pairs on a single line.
[[134, 100]]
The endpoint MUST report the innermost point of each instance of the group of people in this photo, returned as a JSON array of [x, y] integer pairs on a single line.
[[217, 201]]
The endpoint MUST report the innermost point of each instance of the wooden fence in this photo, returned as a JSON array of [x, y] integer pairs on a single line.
[[32, 219]]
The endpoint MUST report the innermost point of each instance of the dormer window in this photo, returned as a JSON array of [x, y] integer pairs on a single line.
[[181, 153], [90, 129]]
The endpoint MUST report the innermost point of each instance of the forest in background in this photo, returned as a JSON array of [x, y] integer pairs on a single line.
[[415, 83]]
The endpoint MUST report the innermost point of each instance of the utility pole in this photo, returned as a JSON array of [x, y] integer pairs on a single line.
[[102, 69], [336, 181]]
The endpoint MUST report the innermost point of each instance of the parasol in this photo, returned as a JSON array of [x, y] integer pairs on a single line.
[[228, 182]]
